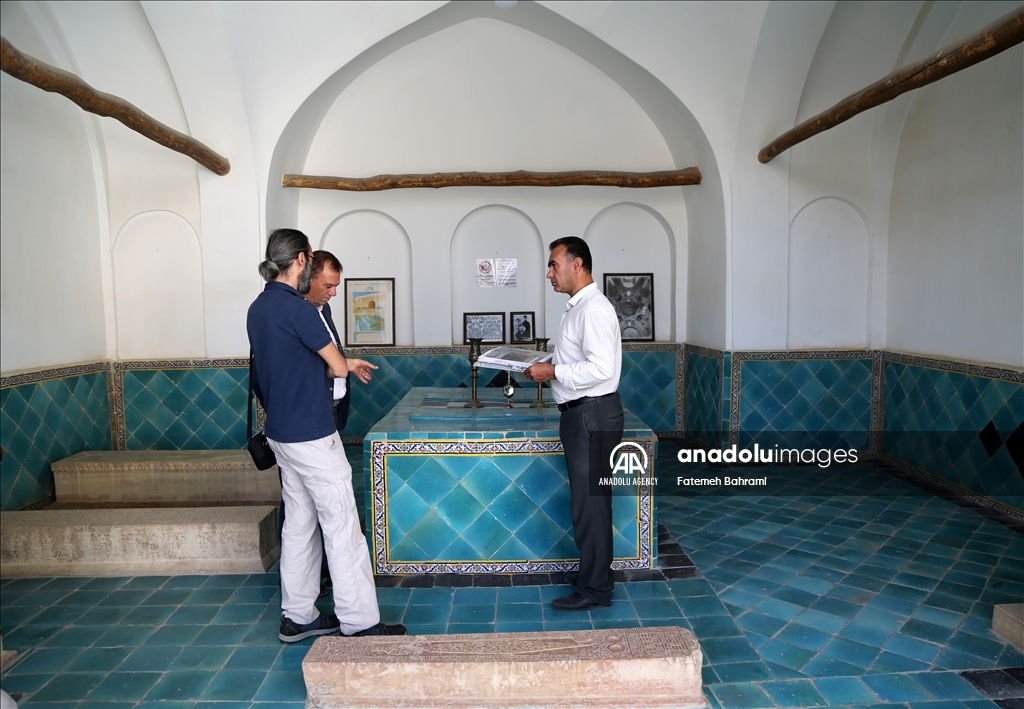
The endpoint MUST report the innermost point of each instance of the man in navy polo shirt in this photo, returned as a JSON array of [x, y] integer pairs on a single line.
[[292, 353]]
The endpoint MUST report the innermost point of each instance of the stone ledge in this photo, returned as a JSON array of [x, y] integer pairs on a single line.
[[138, 542], [142, 477], [620, 668], [1008, 623]]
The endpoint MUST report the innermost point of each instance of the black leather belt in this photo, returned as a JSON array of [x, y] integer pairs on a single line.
[[583, 400]]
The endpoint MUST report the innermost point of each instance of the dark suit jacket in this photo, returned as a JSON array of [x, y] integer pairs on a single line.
[[341, 410]]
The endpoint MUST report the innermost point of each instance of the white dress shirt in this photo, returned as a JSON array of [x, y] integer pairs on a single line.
[[340, 385], [588, 348]]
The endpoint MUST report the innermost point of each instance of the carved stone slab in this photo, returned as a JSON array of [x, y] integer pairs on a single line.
[[138, 542], [621, 667], [158, 478]]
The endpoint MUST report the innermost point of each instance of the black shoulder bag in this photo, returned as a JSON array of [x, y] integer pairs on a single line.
[[262, 455]]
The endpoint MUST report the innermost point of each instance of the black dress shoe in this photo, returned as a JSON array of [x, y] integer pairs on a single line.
[[576, 601], [380, 629]]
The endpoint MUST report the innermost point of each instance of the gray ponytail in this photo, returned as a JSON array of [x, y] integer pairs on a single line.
[[283, 247]]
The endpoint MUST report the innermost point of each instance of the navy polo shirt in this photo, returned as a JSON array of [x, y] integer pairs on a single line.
[[285, 332]]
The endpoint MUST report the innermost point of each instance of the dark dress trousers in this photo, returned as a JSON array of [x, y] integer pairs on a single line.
[[340, 406]]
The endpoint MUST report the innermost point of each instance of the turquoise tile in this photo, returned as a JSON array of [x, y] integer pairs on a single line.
[[180, 685], [794, 693], [45, 660], [67, 687], [234, 685], [124, 686], [822, 666], [743, 672], [896, 688], [946, 685], [726, 650], [742, 695], [98, 659], [845, 691], [178, 635], [891, 662], [149, 658]]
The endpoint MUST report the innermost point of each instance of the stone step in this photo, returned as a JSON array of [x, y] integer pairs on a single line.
[[156, 478], [138, 542], [621, 667]]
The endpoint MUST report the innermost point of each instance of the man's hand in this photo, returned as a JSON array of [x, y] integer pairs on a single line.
[[541, 372], [361, 368]]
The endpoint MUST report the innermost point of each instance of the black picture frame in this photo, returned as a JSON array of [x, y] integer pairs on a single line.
[[522, 327], [632, 296], [489, 326]]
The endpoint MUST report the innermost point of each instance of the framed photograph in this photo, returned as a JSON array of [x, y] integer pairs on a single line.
[[632, 296], [489, 326], [521, 327], [369, 312]]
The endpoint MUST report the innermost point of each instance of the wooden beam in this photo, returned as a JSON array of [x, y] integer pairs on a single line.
[[520, 178], [1004, 33], [50, 78]]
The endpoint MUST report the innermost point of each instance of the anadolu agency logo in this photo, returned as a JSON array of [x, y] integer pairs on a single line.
[[628, 463]]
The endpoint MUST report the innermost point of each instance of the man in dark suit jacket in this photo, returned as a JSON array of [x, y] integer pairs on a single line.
[[323, 285]]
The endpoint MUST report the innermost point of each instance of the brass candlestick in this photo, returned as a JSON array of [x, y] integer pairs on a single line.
[[542, 346], [474, 355]]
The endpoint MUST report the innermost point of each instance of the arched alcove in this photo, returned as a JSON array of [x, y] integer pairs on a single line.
[[372, 244], [828, 277], [158, 288], [680, 133], [497, 231], [633, 238]]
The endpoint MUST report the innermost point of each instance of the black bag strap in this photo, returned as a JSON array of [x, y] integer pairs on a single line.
[[248, 403]]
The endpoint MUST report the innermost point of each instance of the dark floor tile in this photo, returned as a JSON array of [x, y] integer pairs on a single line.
[[994, 684]]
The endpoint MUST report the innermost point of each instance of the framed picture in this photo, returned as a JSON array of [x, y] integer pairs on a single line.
[[489, 326], [632, 296], [521, 327], [369, 312]]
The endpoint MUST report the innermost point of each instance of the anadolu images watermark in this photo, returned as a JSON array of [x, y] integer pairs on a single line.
[[628, 462]]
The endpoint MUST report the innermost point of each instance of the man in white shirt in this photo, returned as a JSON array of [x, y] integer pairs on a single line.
[[584, 375]]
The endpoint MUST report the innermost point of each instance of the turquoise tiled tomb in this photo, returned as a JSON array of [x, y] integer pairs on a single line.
[[457, 490]]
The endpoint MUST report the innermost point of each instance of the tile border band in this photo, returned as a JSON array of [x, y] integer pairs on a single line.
[[953, 488]]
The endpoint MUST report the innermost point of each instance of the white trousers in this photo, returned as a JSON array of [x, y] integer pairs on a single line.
[[316, 485]]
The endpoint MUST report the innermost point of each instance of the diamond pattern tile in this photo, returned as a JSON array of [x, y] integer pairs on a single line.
[[933, 419], [818, 397], [185, 409], [488, 508], [704, 397], [648, 387], [41, 422], [395, 376]]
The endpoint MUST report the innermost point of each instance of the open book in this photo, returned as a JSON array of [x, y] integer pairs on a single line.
[[511, 359]]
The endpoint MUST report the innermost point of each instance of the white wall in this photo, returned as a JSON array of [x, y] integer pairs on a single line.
[[956, 236], [370, 244], [51, 308], [487, 95], [373, 87]]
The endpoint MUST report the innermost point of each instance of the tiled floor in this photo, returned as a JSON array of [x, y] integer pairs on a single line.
[[859, 592]]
